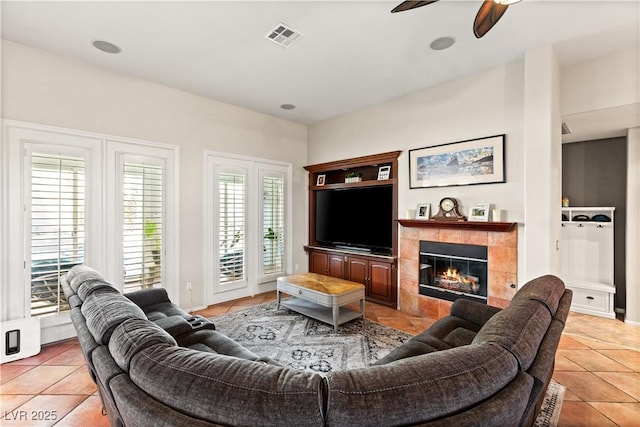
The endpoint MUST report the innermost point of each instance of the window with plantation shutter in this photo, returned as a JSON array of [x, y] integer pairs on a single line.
[[142, 193], [57, 188], [247, 225], [74, 197], [231, 226], [273, 224]]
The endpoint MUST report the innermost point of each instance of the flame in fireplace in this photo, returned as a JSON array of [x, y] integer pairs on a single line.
[[452, 276]]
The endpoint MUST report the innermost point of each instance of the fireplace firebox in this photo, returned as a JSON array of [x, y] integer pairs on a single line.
[[450, 271]]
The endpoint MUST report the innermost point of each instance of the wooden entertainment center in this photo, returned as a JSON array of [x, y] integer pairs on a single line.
[[376, 271]]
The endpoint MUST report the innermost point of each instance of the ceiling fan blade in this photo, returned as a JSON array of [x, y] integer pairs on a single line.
[[490, 12], [408, 5]]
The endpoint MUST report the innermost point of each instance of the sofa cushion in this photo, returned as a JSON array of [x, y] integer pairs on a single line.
[[219, 343], [104, 311], [91, 286], [134, 335], [87, 343], [246, 392], [136, 408], [66, 288], [445, 333], [473, 311], [546, 289], [448, 330], [505, 408], [412, 348], [412, 391], [519, 328], [79, 274]]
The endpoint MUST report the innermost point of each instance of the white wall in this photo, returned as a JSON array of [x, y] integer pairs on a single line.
[[45, 88], [542, 164], [481, 105], [605, 82], [484, 104]]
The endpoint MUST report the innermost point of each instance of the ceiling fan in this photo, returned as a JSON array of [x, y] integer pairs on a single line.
[[490, 12]]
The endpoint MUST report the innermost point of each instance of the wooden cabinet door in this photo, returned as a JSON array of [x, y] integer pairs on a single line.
[[381, 281], [335, 266], [318, 262], [357, 271]]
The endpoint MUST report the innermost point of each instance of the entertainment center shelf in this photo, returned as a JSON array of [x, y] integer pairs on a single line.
[[365, 211], [368, 183]]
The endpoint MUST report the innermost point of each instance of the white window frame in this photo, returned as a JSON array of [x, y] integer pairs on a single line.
[[20, 139], [272, 171], [101, 157], [255, 281], [121, 151]]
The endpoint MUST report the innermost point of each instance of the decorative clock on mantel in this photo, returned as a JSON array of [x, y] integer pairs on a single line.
[[448, 211]]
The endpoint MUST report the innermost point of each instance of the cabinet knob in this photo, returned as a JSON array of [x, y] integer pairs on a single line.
[[590, 298], [299, 291]]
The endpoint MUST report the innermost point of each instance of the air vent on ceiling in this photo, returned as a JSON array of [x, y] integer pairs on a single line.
[[283, 35], [565, 129]]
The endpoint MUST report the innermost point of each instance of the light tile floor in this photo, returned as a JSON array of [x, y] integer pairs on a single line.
[[598, 361]]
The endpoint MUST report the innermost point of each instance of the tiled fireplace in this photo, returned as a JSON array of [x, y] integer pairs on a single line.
[[501, 264]]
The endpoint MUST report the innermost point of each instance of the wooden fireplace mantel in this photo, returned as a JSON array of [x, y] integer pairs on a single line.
[[464, 225]]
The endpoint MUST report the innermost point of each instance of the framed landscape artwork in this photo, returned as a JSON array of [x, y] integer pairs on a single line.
[[475, 161]]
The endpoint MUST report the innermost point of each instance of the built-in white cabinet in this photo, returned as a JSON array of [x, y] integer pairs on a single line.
[[587, 257]]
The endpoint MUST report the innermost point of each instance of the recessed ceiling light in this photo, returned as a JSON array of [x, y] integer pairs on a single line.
[[287, 106], [442, 43], [105, 46]]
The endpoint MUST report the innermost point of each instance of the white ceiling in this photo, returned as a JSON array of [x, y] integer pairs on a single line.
[[353, 53]]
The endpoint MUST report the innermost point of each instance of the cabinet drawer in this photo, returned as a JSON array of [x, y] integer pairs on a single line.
[[592, 300], [297, 292]]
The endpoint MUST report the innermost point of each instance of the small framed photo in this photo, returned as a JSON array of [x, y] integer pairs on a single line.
[[384, 172], [320, 180], [423, 211], [479, 212]]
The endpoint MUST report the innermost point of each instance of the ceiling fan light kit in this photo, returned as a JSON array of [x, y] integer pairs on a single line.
[[489, 14], [507, 2]]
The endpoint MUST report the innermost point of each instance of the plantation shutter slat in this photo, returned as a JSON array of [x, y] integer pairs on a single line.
[[57, 227], [142, 225]]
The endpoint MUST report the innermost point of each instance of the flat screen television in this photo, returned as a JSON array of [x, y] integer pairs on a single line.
[[358, 218]]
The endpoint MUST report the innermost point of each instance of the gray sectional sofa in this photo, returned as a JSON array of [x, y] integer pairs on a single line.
[[155, 364]]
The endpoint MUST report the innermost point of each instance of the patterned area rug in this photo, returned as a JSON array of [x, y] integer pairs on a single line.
[[302, 343], [307, 344]]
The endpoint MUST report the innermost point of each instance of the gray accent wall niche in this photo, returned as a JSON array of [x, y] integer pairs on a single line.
[[594, 173]]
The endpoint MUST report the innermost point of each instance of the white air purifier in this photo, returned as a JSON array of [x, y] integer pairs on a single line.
[[20, 339]]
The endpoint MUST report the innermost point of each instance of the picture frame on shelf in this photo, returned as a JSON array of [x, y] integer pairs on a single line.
[[480, 212], [474, 161], [320, 180], [423, 211], [384, 172]]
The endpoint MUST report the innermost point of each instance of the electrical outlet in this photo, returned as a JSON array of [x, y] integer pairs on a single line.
[[188, 286]]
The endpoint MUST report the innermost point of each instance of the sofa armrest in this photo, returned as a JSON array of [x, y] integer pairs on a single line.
[[148, 297], [174, 325], [473, 311]]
